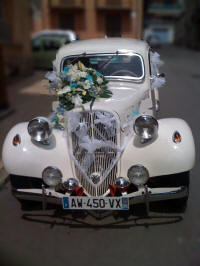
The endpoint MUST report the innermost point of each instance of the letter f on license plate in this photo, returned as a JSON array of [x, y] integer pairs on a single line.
[[95, 203]]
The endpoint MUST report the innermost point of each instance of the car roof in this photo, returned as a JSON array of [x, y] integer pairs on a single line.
[[107, 45], [71, 34]]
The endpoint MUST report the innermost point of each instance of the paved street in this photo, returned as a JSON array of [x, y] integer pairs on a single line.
[[167, 238]]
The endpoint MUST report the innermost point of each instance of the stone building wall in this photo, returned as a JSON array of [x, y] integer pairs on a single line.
[[90, 18], [17, 52]]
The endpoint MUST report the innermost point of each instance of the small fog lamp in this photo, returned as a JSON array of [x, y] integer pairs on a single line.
[[39, 129], [51, 176], [70, 184], [121, 183], [138, 175]]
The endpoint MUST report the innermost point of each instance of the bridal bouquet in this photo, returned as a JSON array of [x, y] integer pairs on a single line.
[[75, 86]]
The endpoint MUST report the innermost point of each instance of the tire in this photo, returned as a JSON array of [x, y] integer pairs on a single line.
[[21, 182], [175, 180], [179, 180], [18, 182]]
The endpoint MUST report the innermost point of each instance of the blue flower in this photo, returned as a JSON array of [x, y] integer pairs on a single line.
[[68, 78], [135, 112], [94, 90], [53, 118], [89, 77], [65, 77], [98, 74], [66, 69], [60, 110], [73, 85]]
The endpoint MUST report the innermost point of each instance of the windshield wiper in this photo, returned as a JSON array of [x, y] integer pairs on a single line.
[[77, 57], [108, 61]]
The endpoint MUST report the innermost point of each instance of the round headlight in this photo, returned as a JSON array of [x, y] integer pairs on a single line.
[[70, 184], [39, 129], [146, 127], [121, 183], [51, 176], [138, 175]]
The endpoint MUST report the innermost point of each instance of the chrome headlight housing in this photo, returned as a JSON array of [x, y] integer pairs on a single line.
[[138, 174], [52, 176], [39, 129], [146, 127]]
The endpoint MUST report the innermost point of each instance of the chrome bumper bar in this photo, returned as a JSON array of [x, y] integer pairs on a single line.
[[144, 195]]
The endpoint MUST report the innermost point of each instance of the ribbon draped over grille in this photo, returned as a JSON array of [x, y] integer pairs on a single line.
[[93, 135]]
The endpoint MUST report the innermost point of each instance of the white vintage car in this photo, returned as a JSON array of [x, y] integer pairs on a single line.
[[109, 153]]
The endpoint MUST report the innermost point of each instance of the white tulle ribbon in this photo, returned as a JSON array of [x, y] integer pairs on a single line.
[[156, 62], [107, 120], [90, 144], [157, 82]]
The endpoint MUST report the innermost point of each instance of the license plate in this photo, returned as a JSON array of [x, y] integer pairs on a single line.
[[96, 203]]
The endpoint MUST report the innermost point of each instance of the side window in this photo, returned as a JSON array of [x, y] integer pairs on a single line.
[[36, 44], [51, 45]]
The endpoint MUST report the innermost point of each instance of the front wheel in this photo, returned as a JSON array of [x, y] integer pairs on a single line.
[[175, 180], [25, 182], [179, 180]]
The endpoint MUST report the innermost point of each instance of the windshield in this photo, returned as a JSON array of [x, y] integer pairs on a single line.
[[112, 65]]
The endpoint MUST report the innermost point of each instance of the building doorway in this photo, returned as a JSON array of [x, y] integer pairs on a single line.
[[113, 25], [66, 21]]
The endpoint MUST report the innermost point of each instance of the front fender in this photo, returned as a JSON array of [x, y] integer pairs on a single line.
[[162, 156], [30, 159]]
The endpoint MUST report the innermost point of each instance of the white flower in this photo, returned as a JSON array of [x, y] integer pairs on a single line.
[[74, 77], [74, 67], [86, 85], [83, 74], [99, 80], [77, 100], [60, 118], [81, 66], [80, 83], [64, 90]]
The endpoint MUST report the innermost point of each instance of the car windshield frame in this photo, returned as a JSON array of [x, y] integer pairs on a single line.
[[124, 78]]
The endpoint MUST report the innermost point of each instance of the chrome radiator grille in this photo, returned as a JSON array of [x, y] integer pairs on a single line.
[[104, 156]]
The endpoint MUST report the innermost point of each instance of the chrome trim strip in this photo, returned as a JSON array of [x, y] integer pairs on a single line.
[[181, 193]]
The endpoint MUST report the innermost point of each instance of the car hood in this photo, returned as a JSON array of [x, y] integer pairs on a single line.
[[125, 100], [124, 103]]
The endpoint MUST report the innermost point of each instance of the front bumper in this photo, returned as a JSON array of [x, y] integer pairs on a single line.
[[144, 195]]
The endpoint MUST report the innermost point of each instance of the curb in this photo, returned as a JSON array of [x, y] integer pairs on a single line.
[[3, 175]]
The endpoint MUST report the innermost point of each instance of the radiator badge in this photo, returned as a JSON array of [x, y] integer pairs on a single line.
[[95, 177]]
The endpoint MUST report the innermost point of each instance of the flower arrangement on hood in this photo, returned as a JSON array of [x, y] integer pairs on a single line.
[[75, 86]]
